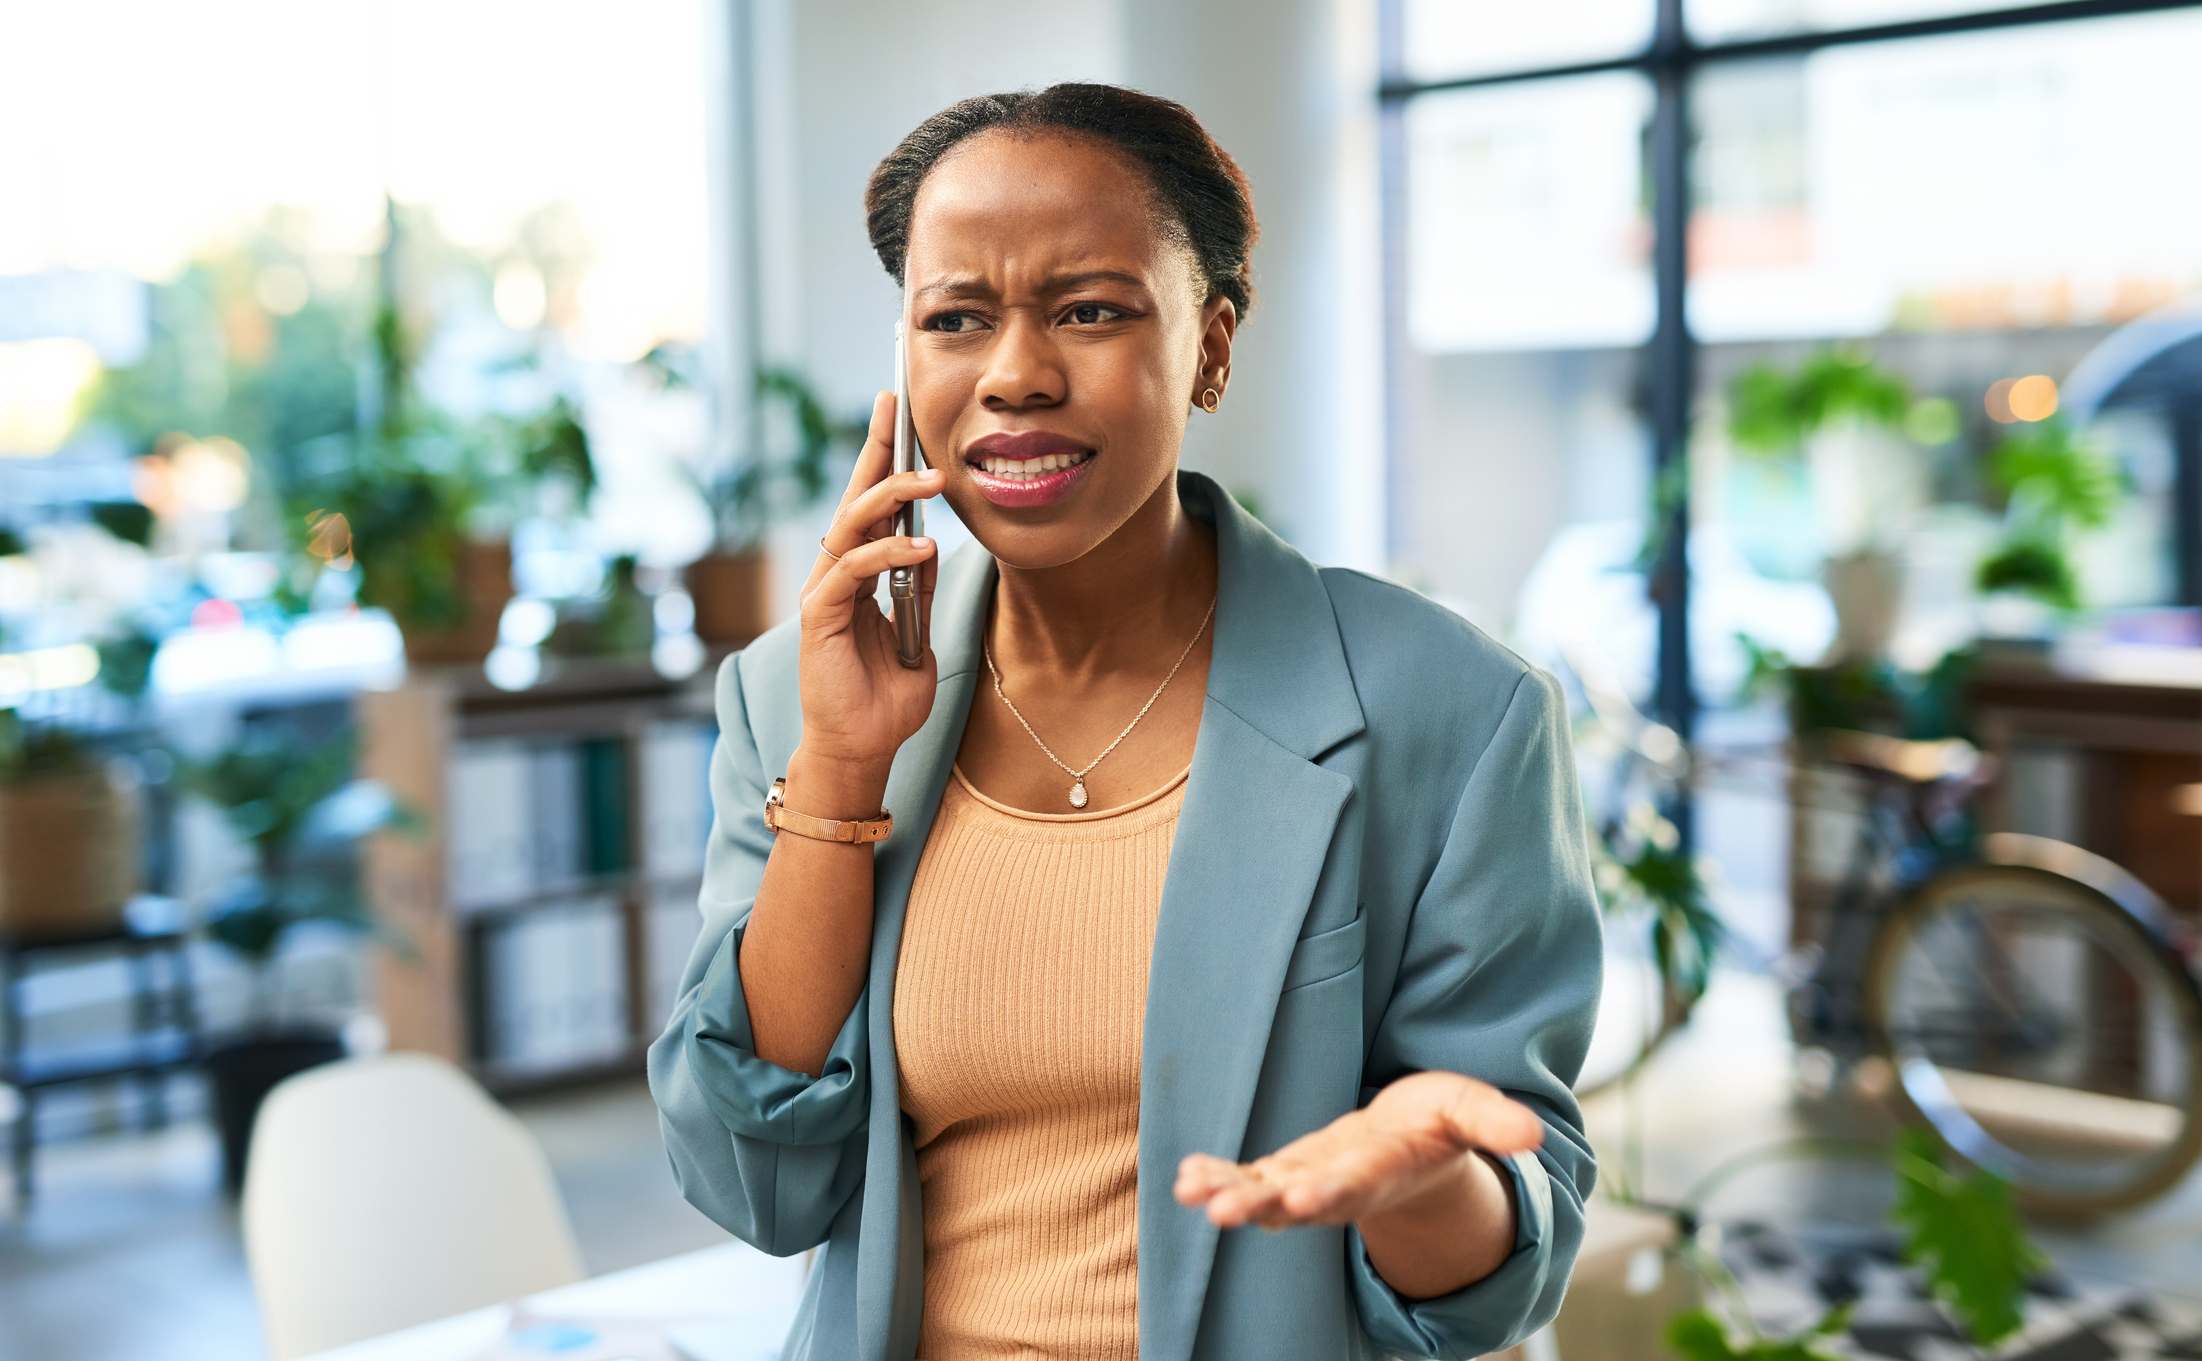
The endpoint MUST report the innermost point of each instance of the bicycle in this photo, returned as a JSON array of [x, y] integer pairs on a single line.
[[2035, 1001]]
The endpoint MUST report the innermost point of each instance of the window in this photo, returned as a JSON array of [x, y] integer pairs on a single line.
[[1966, 193]]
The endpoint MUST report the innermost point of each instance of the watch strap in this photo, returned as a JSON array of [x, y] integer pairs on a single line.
[[781, 818]]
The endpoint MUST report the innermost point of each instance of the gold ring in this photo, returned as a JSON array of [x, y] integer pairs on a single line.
[[827, 551]]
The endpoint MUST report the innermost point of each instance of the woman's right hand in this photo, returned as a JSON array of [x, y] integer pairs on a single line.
[[859, 702]]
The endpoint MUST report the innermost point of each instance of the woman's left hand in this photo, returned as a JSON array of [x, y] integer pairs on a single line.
[[1411, 1145]]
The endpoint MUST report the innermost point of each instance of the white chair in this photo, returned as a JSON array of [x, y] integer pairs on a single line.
[[389, 1191]]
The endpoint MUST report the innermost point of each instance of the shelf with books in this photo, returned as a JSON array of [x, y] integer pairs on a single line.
[[542, 921]]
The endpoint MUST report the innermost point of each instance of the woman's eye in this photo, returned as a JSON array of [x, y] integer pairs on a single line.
[[1093, 313], [956, 323]]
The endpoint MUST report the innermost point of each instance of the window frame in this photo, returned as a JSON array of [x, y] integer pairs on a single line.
[[1669, 62]]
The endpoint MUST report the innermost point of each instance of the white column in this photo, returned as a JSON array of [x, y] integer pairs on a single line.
[[1289, 88]]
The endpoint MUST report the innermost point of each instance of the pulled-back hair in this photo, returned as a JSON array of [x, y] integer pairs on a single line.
[[1199, 189]]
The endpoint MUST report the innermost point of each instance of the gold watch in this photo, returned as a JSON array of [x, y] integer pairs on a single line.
[[781, 818]]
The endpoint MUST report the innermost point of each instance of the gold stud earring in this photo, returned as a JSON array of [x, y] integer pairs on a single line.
[[1210, 400]]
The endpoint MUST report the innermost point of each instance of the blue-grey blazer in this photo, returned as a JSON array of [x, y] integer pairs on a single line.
[[1379, 869]]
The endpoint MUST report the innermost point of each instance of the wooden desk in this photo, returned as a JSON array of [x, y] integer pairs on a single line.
[[742, 1301], [2120, 730]]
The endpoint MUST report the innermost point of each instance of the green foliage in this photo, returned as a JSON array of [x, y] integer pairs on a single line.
[[1698, 1335], [128, 521], [1965, 1233], [126, 662], [1685, 933], [1766, 672], [553, 445], [1877, 696], [2030, 567], [268, 787], [1772, 410], [407, 521], [2055, 486], [11, 542], [745, 501], [217, 364], [31, 750], [2055, 482]]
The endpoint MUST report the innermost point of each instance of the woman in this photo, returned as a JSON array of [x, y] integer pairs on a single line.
[[1221, 890]]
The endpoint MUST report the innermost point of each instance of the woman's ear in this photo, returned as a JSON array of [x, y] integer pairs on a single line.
[[1219, 325]]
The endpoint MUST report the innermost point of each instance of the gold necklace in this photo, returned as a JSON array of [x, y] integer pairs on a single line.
[[1078, 777]]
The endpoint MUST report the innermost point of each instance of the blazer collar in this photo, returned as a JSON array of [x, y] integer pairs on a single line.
[[1278, 662]]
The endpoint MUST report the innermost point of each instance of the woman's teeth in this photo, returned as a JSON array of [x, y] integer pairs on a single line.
[[1024, 469]]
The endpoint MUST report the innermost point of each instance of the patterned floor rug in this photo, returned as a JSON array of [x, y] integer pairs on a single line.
[[1791, 1277]]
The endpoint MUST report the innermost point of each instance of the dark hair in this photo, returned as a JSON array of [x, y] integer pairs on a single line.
[[1199, 188]]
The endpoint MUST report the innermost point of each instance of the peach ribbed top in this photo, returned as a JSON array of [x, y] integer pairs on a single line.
[[1020, 998]]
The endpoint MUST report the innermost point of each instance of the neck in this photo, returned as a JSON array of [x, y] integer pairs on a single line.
[[1140, 592]]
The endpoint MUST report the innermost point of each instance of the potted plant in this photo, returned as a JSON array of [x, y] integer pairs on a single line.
[[1959, 1229], [283, 797], [415, 504], [2055, 486], [68, 834], [1840, 412], [731, 585]]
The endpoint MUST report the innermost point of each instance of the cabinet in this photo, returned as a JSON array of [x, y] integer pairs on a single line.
[[2109, 761], [539, 919]]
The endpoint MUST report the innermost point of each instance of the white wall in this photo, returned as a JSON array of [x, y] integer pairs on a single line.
[[1289, 88], [1286, 87]]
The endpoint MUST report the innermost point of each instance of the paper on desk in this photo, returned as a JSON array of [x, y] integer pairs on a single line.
[[541, 1339]]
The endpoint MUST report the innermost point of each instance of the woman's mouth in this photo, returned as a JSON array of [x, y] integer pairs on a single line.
[[1035, 479]]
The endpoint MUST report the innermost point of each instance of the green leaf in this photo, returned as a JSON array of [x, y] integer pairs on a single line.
[[2030, 566], [1772, 410], [1698, 1335], [1767, 673], [2054, 481], [1965, 1233]]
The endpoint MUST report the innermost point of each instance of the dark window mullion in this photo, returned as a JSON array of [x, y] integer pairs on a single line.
[[1680, 51], [1673, 379]]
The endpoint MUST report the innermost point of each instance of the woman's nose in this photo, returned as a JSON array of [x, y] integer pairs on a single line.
[[1023, 368]]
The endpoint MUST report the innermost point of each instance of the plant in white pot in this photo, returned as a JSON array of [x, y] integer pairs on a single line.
[[286, 798], [1842, 414]]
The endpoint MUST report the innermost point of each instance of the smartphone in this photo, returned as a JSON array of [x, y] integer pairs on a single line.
[[909, 519]]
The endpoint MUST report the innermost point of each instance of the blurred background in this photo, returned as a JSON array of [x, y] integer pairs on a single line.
[[404, 406]]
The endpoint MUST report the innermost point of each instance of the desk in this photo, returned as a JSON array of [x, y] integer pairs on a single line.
[[2095, 744], [747, 1298]]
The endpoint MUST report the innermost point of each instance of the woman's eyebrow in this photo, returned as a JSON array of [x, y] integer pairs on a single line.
[[967, 286]]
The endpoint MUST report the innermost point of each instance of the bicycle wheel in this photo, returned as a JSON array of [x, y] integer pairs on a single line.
[[2042, 1033]]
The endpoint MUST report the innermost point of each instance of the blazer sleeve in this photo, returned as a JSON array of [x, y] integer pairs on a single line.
[[771, 1155], [1500, 981]]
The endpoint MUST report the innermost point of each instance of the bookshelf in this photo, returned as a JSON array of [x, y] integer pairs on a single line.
[[540, 922]]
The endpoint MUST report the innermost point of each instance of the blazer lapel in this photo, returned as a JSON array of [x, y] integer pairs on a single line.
[[891, 1260], [1251, 844]]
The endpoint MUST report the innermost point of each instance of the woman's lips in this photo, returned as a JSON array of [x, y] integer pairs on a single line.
[[1020, 473]]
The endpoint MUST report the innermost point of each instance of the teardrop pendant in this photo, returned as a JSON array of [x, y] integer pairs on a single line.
[[1078, 794]]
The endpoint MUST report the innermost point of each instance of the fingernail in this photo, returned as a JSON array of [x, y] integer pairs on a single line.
[[920, 541]]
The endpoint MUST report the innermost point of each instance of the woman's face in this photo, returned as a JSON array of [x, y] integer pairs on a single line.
[[1059, 336]]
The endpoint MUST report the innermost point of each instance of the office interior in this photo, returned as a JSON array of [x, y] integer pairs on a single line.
[[404, 408]]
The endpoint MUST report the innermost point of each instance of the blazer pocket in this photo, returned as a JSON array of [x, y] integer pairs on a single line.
[[1328, 955]]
